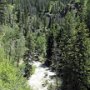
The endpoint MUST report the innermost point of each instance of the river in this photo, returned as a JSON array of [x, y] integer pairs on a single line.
[[41, 79]]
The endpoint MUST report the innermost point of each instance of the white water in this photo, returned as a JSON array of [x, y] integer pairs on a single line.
[[41, 78]]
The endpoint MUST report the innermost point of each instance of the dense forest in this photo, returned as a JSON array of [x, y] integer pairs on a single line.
[[53, 32]]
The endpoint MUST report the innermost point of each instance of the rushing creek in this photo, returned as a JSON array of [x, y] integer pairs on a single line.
[[41, 79]]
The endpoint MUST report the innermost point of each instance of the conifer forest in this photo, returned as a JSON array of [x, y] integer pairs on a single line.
[[44, 44]]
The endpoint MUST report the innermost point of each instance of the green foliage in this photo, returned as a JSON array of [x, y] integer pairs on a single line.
[[32, 71], [41, 43], [14, 43], [10, 76], [56, 29], [2, 54], [71, 53]]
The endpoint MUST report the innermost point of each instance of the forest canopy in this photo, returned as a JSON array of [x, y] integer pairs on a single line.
[[54, 32]]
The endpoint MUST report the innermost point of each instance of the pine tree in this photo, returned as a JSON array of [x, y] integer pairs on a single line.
[[2, 11], [81, 56]]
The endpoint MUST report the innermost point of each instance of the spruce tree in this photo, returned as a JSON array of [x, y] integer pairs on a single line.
[[81, 56]]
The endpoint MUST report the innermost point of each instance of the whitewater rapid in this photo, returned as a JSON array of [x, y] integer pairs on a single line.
[[41, 77]]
